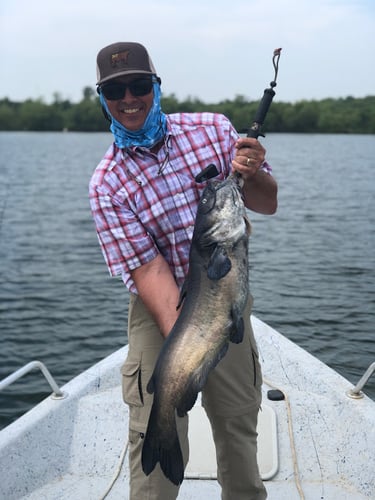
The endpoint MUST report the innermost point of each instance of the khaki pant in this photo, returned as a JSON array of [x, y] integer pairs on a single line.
[[231, 399]]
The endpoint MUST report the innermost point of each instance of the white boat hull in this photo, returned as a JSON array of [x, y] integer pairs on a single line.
[[73, 448]]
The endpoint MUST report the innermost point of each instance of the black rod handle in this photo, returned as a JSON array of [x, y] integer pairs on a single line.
[[265, 103], [260, 115]]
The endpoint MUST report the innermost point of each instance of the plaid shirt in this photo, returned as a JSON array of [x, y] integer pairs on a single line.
[[145, 203]]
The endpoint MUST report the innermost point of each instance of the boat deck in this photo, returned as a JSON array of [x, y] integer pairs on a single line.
[[316, 444]]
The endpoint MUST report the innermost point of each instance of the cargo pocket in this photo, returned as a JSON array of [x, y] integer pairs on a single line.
[[132, 392], [256, 367], [136, 372]]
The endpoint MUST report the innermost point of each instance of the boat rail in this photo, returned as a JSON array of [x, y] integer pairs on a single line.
[[356, 392], [10, 379], [57, 393]]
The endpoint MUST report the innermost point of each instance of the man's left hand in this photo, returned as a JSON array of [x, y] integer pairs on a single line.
[[249, 157]]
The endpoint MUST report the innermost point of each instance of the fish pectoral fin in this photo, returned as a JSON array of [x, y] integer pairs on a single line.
[[237, 330], [219, 264]]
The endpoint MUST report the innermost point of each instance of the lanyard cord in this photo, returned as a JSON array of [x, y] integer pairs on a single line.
[[275, 62], [265, 103]]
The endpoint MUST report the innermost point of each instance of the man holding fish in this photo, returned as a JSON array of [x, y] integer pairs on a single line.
[[147, 201]]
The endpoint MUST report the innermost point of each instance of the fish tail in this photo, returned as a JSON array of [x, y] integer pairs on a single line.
[[163, 446]]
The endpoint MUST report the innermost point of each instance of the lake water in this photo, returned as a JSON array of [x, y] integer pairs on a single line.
[[312, 264]]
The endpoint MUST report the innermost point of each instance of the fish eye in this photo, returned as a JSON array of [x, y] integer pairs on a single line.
[[208, 200]]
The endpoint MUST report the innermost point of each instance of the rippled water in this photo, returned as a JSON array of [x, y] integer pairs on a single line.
[[312, 264]]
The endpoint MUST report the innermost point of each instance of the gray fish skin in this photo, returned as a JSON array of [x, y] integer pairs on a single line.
[[213, 299]]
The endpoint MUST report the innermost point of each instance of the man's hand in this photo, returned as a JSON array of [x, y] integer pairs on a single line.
[[249, 157]]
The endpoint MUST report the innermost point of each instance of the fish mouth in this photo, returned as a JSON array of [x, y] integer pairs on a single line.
[[233, 180], [235, 188], [221, 196]]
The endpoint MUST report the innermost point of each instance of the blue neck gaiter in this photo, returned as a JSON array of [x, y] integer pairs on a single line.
[[153, 130]]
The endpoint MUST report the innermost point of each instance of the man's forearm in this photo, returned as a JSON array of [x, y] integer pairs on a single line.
[[260, 193], [159, 292]]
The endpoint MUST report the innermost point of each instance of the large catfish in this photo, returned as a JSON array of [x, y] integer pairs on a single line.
[[213, 299]]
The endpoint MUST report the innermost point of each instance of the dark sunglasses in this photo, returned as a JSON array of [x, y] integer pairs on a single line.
[[116, 90]]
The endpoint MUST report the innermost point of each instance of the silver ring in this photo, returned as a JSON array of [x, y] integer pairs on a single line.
[[248, 161]]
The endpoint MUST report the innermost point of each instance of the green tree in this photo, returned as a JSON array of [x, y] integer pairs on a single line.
[[86, 116], [348, 115], [89, 94], [8, 115], [36, 115], [170, 104]]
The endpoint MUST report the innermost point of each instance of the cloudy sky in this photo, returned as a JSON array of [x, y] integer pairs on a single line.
[[209, 49]]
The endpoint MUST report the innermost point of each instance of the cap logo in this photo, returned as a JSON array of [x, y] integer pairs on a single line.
[[120, 59]]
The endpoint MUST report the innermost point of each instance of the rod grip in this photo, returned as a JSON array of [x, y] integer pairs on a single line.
[[260, 115]]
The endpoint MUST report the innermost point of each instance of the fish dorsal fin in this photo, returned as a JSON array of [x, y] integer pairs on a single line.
[[219, 264]]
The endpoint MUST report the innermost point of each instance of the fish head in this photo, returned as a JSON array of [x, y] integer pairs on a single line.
[[221, 216]]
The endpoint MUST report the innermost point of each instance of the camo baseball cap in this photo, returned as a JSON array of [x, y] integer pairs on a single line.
[[123, 58]]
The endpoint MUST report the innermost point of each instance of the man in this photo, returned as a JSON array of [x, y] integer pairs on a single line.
[[144, 198]]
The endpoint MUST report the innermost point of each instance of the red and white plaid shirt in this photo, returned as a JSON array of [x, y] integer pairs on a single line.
[[145, 203]]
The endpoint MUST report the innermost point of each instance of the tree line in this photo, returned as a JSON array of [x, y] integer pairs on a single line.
[[343, 115]]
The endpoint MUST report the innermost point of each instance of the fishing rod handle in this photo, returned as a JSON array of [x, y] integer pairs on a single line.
[[264, 105]]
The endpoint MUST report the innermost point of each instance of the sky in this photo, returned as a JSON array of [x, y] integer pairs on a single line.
[[207, 49]]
